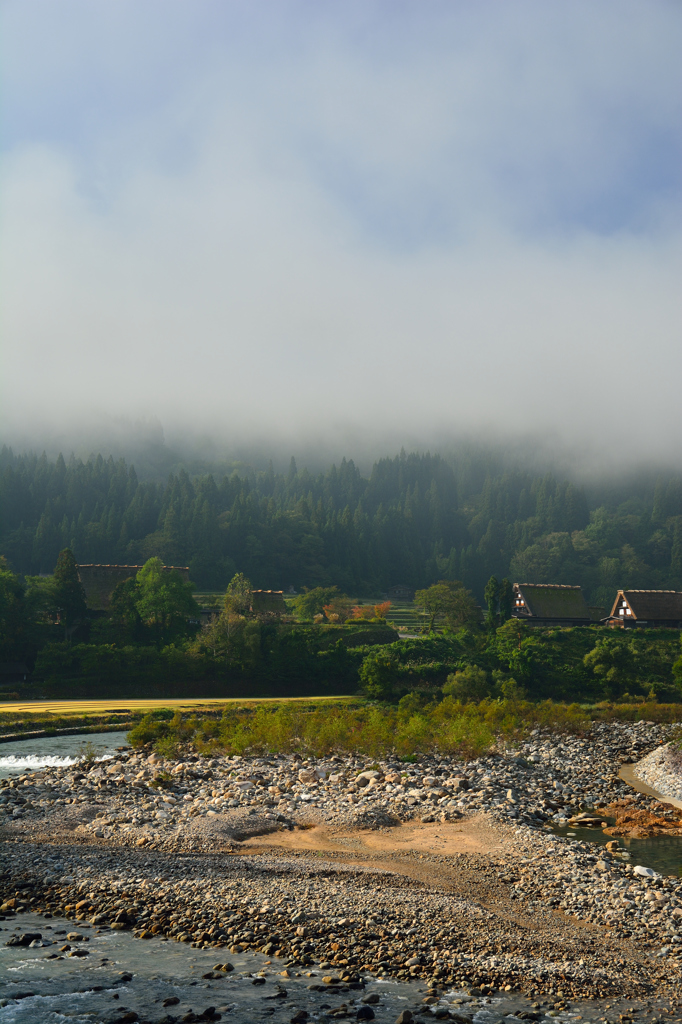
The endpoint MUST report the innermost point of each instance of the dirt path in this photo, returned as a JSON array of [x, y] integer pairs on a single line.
[[463, 860], [446, 839]]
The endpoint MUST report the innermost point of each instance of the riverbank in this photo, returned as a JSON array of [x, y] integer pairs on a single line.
[[438, 871], [662, 770]]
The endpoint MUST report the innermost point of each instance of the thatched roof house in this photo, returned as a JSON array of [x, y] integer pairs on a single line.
[[646, 608], [100, 581], [550, 604], [268, 601]]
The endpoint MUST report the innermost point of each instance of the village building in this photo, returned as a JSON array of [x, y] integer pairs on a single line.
[[100, 581], [646, 608], [14, 672], [549, 604], [271, 601], [400, 592]]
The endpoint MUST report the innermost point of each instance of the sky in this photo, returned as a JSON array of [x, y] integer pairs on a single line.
[[309, 219]]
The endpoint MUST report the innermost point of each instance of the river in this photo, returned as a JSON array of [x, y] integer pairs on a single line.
[[119, 975], [21, 756]]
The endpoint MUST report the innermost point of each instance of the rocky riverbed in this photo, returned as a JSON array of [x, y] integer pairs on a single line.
[[662, 770], [440, 872]]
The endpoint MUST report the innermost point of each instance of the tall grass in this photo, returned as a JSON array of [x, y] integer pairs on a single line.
[[449, 727], [650, 711]]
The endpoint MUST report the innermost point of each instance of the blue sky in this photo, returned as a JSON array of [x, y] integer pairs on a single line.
[[476, 203]]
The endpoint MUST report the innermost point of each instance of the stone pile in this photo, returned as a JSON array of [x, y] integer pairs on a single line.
[[151, 848], [662, 770], [133, 794]]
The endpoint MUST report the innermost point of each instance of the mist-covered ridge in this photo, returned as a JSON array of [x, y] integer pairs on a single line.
[[415, 518]]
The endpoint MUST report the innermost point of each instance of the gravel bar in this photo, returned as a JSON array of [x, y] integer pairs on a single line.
[[168, 850]]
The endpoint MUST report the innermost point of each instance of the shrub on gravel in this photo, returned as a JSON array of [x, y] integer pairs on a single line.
[[376, 730]]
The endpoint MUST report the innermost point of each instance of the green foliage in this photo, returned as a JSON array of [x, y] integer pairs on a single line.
[[165, 600], [448, 602], [491, 595], [312, 602], [378, 673], [507, 687], [123, 624], [68, 592], [149, 730], [470, 684], [677, 671], [413, 703], [87, 752], [413, 519], [232, 639], [14, 616], [238, 596], [635, 662], [505, 599], [414, 727]]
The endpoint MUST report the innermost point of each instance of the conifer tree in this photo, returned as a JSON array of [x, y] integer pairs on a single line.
[[68, 591], [491, 595], [505, 600]]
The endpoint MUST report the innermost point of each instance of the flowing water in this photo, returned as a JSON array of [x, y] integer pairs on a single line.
[[41, 984], [21, 756]]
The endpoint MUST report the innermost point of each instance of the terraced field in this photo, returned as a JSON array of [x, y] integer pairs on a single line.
[[99, 707]]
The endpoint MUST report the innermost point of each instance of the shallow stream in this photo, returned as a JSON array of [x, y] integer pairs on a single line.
[[122, 975], [662, 853], [21, 756]]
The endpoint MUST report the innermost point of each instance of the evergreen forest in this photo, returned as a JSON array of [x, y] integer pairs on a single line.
[[414, 519]]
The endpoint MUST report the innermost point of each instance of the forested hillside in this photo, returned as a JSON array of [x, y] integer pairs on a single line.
[[414, 520]]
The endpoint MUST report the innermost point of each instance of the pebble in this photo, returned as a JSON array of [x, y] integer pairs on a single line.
[[662, 770], [138, 843]]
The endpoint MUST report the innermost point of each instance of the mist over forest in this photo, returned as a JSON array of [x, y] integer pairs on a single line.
[[357, 235], [474, 510]]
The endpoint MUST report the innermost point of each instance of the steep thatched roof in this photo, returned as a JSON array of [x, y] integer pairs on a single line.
[[100, 581], [652, 605], [268, 601], [553, 601]]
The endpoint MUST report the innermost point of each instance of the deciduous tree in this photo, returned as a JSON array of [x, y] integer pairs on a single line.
[[448, 602], [165, 602]]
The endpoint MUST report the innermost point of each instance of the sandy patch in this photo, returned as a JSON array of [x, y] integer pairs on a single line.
[[447, 839]]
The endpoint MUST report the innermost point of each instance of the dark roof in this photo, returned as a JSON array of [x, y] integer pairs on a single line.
[[99, 581], [656, 605], [268, 601], [554, 601], [12, 668]]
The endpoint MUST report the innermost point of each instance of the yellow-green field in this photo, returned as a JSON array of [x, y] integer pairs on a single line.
[[99, 707]]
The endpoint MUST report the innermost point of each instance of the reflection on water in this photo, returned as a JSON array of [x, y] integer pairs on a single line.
[[121, 974], [40, 984], [662, 853], [50, 751]]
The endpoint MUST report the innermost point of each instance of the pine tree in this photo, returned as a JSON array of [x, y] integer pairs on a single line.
[[68, 591], [491, 595], [505, 598]]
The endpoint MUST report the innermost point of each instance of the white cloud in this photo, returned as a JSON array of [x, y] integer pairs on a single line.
[[366, 221]]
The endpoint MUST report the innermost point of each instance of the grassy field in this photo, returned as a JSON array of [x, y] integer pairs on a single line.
[[319, 724], [101, 707], [21, 718]]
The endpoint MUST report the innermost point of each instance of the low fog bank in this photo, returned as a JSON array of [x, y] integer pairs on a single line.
[[157, 450], [342, 229]]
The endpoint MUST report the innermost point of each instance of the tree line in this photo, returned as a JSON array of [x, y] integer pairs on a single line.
[[151, 641], [415, 519]]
